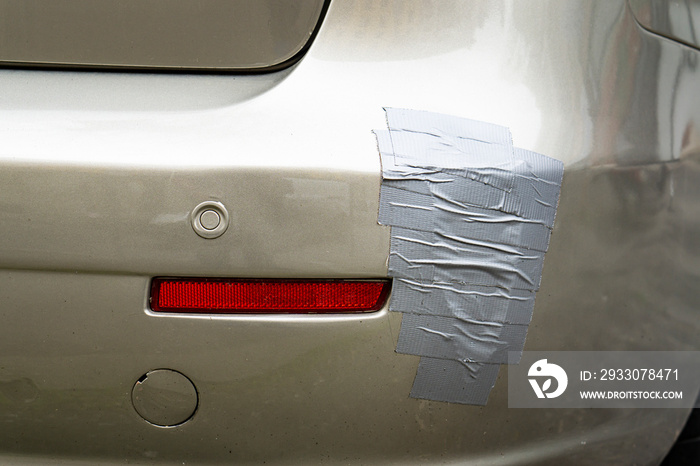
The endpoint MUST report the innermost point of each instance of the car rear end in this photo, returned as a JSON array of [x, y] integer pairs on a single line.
[[103, 167]]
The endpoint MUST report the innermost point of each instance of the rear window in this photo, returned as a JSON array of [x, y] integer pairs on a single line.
[[217, 35]]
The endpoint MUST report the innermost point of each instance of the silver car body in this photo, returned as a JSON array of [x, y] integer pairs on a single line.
[[100, 171]]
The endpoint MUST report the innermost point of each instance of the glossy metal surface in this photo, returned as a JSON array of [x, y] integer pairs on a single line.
[[100, 171], [137, 221], [160, 34], [676, 19]]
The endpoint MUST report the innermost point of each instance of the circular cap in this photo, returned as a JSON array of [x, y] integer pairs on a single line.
[[164, 397], [210, 219]]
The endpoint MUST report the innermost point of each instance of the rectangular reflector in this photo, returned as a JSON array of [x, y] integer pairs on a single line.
[[253, 296]]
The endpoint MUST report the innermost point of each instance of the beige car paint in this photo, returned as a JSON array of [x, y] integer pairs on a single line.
[[100, 170]]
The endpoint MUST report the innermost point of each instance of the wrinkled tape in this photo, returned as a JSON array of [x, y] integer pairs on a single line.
[[471, 219], [450, 380], [428, 256], [443, 145], [453, 338], [410, 210], [517, 190], [462, 301]]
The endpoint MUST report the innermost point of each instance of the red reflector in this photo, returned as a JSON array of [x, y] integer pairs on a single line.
[[239, 296]]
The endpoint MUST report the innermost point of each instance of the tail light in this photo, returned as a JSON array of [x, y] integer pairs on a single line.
[[245, 296]]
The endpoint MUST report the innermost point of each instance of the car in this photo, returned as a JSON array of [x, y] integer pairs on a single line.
[[147, 146]]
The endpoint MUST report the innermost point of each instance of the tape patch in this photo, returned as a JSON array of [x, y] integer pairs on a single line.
[[471, 220], [450, 380]]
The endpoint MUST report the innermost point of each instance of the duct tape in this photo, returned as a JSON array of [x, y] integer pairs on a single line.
[[454, 381], [408, 209], [471, 220], [529, 196], [459, 339], [444, 143], [435, 257], [462, 301]]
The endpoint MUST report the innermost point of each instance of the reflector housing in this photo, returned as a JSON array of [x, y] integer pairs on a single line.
[[260, 296]]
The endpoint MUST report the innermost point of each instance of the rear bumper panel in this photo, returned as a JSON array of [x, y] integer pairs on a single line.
[[100, 172]]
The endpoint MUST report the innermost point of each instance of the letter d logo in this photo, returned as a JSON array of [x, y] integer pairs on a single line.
[[543, 369]]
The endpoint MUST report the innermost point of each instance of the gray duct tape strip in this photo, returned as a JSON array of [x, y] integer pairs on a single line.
[[471, 219], [451, 338], [411, 210], [445, 126], [454, 381], [430, 256], [462, 301], [529, 196], [429, 140]]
